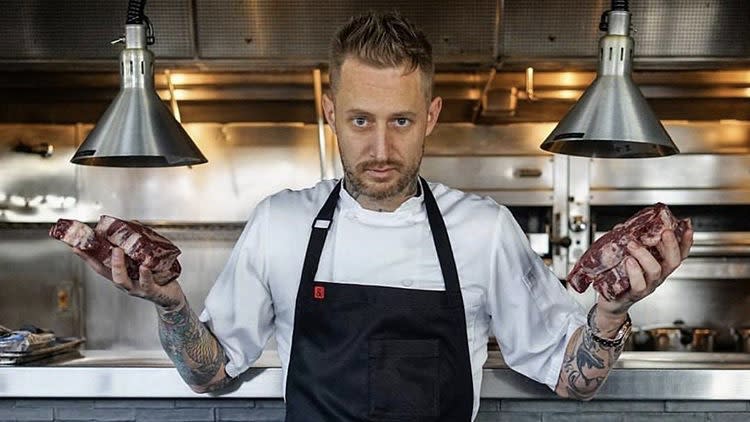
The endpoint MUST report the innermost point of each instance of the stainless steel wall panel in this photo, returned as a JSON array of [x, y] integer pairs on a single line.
[[266, 158], [34, 270], [205, 192], [670, 196], [679, 28], [712, 137], [491, 173], [464, 139], [292, 30], [735, 269], [503, 162], [696, 171], [35, 188], [83, 29]]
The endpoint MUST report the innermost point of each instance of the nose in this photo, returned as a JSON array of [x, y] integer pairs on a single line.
[[380, 146]]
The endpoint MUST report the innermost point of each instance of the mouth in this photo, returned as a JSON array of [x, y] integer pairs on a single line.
[[380, 172]]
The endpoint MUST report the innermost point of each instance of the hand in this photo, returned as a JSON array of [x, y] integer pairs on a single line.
[[646, 273], [168, 296]]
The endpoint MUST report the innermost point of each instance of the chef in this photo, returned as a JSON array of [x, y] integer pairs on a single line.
[[381, 288]]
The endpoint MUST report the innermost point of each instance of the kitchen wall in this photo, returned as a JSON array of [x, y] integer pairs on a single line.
[[203, 209]]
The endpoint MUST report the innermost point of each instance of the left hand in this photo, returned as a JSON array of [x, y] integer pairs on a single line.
[[646, 273]]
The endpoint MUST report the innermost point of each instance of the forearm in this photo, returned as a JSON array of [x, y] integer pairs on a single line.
[[587, 363], [196, 353]]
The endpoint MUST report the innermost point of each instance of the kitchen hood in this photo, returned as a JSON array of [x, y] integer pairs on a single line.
[[612, 118], [138, 130]]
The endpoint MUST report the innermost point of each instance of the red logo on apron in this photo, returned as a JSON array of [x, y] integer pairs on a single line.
[[319, 292]]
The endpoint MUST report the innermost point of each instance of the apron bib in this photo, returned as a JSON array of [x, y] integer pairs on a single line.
[[370, 353]]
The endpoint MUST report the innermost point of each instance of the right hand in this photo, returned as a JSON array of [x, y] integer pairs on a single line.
[[168, 297]]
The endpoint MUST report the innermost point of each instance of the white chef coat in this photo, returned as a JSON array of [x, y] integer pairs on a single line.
[[506, 287]]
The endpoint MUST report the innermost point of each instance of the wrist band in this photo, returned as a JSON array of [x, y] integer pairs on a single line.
[[622, 332]]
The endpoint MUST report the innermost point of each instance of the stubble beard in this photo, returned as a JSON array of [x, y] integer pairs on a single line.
[[358, 184]]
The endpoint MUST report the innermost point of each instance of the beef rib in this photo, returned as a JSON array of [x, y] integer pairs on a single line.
[[165, 266]]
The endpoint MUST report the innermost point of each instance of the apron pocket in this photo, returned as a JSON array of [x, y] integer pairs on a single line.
[[404, 378]]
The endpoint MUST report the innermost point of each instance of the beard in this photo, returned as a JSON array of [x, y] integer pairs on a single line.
[[406, 174]]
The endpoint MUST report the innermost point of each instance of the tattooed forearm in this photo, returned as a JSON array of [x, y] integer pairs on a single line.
[[585, 366], [195, 352]]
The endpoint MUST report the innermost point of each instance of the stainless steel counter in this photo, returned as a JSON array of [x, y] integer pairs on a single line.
[[149, 374]]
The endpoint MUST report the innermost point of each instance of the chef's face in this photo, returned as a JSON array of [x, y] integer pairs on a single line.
[[381, 117]]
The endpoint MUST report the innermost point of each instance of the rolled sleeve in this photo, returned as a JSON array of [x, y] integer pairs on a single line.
[[238, 309], [533, 316]]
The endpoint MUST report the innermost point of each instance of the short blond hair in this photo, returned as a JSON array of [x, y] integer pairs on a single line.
[[382, 40]]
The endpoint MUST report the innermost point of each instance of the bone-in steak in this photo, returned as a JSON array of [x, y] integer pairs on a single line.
[[604, 263]]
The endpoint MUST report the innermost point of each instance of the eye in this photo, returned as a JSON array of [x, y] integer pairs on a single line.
[[402, 122], [359, 121]]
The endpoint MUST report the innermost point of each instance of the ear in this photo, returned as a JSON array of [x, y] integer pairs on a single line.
[[432, 114], [329, 111]]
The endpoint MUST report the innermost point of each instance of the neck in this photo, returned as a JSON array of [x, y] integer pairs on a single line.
[[388, 204]]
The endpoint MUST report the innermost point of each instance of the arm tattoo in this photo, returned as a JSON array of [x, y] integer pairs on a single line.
[[586, 365], [195, 352]]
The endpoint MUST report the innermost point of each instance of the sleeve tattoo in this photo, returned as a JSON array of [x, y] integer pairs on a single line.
[[586, 365], [196, 353]]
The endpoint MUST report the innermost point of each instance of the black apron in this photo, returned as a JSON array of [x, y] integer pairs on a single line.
[[370, 353]]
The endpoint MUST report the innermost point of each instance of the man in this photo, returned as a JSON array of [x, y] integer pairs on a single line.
[[382, 289]]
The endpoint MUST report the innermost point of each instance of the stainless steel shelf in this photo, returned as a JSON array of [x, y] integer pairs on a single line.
[[638, 375]]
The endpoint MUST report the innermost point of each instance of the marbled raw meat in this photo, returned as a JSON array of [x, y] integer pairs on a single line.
[[79, 235], [604, 263], [139, 242]]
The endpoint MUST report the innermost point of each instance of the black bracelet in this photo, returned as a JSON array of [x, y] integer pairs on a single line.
[[604, 341]]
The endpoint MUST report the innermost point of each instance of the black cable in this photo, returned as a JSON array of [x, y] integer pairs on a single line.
[[620, 5], [135, 11]]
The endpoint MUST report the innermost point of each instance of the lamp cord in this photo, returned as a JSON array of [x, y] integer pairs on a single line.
[[137, 16]]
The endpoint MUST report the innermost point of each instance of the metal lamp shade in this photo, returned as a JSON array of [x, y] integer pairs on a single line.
[[138, 130], [611, 120]]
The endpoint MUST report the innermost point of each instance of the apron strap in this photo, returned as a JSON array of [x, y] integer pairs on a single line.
[[315, 245], [442, 243]]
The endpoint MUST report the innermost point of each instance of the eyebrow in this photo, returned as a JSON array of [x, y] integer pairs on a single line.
[[408, 114], [357, 111]]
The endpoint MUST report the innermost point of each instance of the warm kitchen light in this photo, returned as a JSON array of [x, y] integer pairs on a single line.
[[612, 118], [138, 130]]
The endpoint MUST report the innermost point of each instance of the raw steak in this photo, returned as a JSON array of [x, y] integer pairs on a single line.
[[139, 242], [604, 263], [79, 235]]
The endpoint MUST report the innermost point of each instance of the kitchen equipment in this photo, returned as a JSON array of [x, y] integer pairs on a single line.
[[62, 348], [612, 118], [138, 130], [681, 338], [743, 335]]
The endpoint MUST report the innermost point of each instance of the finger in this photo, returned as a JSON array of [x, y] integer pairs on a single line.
[[686, 242], [670, 252], [648, 263], [119, 271], [93, 263], [146, 277], [638, 283], [162, 280]]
